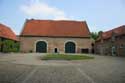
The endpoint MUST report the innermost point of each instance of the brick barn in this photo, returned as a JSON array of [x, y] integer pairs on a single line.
[[111, 42], [51, 36], [6, 34]]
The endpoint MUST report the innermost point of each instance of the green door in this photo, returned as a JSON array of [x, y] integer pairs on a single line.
[[41, 47], [70, 47]]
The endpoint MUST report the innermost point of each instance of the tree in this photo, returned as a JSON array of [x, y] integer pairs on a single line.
[[94, 35]]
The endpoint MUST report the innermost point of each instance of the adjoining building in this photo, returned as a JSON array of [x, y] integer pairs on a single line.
[[51, 36], [6, 34], [111, 42]]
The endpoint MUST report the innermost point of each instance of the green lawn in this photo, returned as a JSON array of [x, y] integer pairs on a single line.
[[66, 57]]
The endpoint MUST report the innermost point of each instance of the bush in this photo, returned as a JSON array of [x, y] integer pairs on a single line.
[[10, 46], [0, 44]]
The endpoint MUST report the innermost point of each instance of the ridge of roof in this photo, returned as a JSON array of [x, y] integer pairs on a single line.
[[54, 20], [116, 28]]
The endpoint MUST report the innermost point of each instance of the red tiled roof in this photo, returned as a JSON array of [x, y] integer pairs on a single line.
[[117, 31], [6, 32], [55, 28]]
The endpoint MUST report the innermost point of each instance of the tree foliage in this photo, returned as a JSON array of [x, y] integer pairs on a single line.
[[94, 35]]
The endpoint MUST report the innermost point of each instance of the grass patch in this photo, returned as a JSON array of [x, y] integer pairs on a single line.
[[65, 57]]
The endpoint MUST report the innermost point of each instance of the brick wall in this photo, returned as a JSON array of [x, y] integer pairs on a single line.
[[28, 44], [105, 48]]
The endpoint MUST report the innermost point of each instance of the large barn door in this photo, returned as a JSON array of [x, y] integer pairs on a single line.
[[41, 47], [70, 47]]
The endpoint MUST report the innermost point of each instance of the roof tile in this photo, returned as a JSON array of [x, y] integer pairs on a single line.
[[55, 28], [6, 32], [118, 31]]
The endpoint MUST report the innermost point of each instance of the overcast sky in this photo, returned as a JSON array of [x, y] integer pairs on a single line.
[[99, 14]]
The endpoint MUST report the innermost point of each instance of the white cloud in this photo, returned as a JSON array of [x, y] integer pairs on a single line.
[[38, 8]]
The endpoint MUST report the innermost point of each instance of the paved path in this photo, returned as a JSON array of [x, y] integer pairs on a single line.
[[28, 68]]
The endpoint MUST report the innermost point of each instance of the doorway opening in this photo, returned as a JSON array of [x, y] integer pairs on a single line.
[[56, 50]]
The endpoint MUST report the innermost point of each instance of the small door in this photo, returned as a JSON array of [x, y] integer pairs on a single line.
[[56, 50], [41, 47], [70, 47], [113, 51]]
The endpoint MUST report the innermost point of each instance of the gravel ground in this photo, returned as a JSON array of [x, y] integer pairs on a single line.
[[9, 73], [28, 68]]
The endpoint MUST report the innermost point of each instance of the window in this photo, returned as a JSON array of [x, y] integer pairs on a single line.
[[84, 50], [122, 46]]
